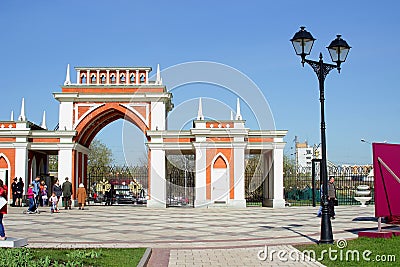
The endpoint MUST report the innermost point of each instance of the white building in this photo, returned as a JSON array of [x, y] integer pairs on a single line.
[[305, 154]]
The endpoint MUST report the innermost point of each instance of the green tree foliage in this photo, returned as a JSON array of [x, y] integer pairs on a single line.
[[99, 156], [53, 163], [289, 165]]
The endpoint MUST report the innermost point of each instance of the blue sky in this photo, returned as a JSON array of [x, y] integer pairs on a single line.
[[39, 38]]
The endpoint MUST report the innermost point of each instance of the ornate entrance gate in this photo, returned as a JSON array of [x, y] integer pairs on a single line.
[[117, 185], [180, 188]]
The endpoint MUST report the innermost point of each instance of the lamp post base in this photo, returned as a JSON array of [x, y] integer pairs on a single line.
[[326, 227]]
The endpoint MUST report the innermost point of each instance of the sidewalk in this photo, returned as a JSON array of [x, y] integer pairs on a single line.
[[199, 235]]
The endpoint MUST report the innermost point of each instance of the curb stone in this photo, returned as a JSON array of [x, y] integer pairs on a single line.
[[145, 258]]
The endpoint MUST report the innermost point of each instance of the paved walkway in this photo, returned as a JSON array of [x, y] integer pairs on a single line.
[[186, 237]]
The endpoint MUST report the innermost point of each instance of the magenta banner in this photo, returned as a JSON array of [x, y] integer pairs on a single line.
[[386, 179]]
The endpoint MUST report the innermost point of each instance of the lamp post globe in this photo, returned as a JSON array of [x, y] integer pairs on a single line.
[[302, 43], [338, 49]]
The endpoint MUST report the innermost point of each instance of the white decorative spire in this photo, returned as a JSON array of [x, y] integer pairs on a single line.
[[22, 116], [231, 115], [158, 76], [67, 78], [44, 121], [200, 115], [238, 115], [12, 115]]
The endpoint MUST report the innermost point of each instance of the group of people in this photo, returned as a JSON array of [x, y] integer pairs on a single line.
[[37, 193], [17, 189]]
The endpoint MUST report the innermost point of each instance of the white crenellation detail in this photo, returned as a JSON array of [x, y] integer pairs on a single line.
[[158, 75], [238, 115], [67, 77], [22, 116], [200, 115], [43, 125]]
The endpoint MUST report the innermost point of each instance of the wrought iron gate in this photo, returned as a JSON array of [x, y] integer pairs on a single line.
[[254, 182], [117, 184], [180, 188]]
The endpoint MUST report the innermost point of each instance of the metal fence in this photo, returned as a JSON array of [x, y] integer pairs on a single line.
[[180, 188], [120, 183], [254, 181], [300, 190]]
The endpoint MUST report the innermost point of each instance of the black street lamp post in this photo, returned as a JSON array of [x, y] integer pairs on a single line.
[[338, 49]]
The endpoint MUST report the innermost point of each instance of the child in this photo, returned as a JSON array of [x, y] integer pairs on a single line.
[[31, 196], [44, 195], [53, 200]]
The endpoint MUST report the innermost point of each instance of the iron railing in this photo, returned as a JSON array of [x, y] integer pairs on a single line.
[[299, 188]]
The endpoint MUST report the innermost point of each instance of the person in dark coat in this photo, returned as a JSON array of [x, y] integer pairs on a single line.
[[20, 192], [67, 193], [14, 191], [331, 197]]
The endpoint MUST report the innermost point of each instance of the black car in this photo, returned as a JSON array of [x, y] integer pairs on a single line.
[[124, 199]]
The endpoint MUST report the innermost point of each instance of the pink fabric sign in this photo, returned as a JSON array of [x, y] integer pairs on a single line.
[[386, 179]]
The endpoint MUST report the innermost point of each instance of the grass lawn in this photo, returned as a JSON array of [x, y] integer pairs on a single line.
[[71, 257], [377, 252]]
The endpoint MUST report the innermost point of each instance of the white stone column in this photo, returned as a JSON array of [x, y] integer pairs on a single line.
[[127, 78], [108, 77], [65, 167], [157, 116], [87, 76], [239, 200], [158, 187], [78, 77], [21, 163], [147, 77], [200, 177], [98, 77], [65, 119], [273, 186], [118, 78], [137, 77]]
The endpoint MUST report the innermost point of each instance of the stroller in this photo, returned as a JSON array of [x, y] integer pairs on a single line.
[[34, 209]]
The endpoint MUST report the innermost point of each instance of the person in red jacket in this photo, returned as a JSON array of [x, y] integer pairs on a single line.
[[3, 210]]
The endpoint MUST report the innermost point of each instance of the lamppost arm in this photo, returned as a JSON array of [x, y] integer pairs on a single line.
[[320, 67]]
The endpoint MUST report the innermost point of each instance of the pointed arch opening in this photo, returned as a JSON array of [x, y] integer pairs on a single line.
[[96, 120]]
